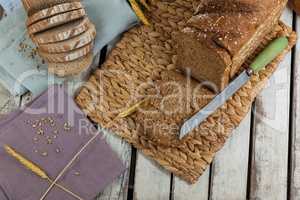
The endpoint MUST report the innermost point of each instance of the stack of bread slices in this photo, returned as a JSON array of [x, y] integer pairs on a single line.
[[63, 34]]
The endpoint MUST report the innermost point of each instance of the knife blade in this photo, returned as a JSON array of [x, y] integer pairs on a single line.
[[260, 62]]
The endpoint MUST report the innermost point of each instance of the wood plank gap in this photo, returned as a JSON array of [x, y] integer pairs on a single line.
[[292, 126], [210, 179], [251, 147], [172, 187], [270, 152], [230, 166], [130, 193]]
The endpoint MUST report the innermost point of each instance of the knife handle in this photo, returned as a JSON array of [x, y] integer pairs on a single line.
[[269, 54]]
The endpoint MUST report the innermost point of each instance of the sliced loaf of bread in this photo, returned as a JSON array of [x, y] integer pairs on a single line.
[[33, 6], [55, 21], [71, 68], [67, 56], [70, 44], [222, 35], [49, 12], [61, 33]]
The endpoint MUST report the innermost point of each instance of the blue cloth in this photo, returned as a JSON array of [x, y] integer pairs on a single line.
[[20, 72]]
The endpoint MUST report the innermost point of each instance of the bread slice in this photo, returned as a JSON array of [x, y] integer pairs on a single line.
[[70, 44], [71, 68], [49, 12], [61, 33], [56, 20], [223, 34], [33, 6], [68, 56]]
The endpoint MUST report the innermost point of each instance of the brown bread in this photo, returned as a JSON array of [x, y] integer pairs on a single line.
[[55, 21], [67, 56], [222, 34], [49, 12], [61, 33], [71, 68], [70, 44], [33, 6]]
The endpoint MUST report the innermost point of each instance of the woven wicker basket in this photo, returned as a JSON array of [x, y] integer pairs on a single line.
[[143, 55]]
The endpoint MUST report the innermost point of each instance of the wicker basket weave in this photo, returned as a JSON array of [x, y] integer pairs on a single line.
[[142, 55]]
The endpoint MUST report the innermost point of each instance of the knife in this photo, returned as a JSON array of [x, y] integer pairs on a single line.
[[260, 62]]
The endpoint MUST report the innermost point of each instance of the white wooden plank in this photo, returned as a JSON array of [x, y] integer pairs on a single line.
[[271, 134], [118, 189], [295, 170], [4, 96], [151, 181], [230, 166], [7, 101], [199, 190]]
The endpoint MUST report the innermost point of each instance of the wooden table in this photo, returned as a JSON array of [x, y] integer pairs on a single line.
[[260, 161]]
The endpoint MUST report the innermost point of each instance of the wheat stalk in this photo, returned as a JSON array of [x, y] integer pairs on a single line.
[[124, 114], [131, 109], [35, 168], [145, 4], [135, 6]]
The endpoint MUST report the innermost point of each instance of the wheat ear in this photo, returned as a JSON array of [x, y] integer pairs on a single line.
[[138, 11], [131, 109], [124, 114], [26, 163], [35, 169]]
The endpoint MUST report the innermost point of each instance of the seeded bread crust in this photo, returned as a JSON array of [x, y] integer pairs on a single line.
[[49, 12], [34, 6], [71, 68], [55, 21], [61, 33], [67, 56], [230, 30], [71, 44]]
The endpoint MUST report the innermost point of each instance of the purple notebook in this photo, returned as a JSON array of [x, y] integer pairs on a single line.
[[49, 132]]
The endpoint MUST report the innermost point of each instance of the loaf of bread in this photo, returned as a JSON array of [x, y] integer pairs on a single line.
[[67, 56], [63, 34], [49, 12], [72, 67], [222, 34], [56, 21], [70, 44], [34, 6]]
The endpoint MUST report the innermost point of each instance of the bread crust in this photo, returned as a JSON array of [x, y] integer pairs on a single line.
[[33, 6], [61, 33], [67, 56], [49, 12], [231, 28], [55, 21], [70, 44], [71, 68]]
